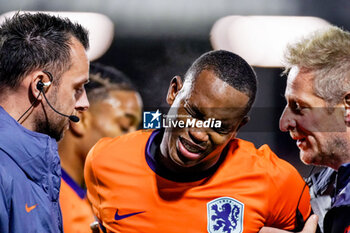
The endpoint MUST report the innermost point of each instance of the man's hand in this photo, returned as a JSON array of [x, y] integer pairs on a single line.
[[310, 227]]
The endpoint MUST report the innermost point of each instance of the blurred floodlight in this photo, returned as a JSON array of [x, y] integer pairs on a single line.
[[100, 27], [261, 40]]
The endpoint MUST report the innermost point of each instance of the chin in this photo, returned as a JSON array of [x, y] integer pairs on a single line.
[[58, 133], [180, 163], [57, 136], [308, 158], [187, 164]]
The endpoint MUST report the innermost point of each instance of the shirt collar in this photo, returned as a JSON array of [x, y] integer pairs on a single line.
[[77, 189]]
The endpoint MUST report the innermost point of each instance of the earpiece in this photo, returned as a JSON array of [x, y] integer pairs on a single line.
[[41, 85]]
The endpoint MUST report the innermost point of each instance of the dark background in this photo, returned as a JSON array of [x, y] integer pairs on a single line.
[[158, 39]]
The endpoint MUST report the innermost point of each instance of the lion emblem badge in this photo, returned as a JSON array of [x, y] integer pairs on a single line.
[[225, 215]]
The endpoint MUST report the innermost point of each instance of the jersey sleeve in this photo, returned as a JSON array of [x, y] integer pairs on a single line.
[[289, 198], [92, 183]]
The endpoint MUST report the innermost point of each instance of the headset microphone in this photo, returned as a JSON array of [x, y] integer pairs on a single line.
[[40, 87]]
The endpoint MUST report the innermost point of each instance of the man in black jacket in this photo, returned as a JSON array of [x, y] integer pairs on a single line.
[[317, 116]]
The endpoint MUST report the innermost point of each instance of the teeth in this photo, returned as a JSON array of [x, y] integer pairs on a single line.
[[189, 147], [191, 150]]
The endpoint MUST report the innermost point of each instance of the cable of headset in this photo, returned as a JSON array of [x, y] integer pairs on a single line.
[[299, 217], [36, 100], [40, 86]]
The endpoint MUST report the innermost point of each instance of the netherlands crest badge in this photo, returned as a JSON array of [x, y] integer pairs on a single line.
[[225, 215]]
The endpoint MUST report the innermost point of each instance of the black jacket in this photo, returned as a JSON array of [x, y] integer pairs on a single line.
[[330, 199]]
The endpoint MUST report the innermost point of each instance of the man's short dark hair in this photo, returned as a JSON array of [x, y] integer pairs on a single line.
[[36, 41], [104, 79], [230, 68]]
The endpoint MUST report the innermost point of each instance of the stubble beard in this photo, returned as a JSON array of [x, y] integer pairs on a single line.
[[50, 123], [335, 150]]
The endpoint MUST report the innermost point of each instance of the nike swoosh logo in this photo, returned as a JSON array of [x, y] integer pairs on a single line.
[[120, 217], [28, 209]]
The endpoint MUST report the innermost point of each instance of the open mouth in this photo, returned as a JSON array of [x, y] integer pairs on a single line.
[[301, 142], [188, 149]]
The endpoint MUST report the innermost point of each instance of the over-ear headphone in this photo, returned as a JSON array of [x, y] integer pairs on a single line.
[[40, 85]]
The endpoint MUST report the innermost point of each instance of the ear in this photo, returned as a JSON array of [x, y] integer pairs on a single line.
[[80, 128], [36, 77], [346, 102], [174, 88], [244, 121]]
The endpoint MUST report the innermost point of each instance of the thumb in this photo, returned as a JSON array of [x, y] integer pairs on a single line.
[[310, 225]]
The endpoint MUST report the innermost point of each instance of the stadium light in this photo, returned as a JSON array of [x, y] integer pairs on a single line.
[[100, 27], [261, 40]]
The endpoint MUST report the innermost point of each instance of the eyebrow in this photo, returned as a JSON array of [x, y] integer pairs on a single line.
[[296, 99], [82, 82]]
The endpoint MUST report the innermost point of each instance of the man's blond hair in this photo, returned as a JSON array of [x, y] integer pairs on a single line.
[[326, 53]]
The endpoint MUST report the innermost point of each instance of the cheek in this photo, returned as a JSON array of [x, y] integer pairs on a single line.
[[321, 138], [320, 121], [69, 95], [172, 140], [220, 140], [309, 123], [110, 129]]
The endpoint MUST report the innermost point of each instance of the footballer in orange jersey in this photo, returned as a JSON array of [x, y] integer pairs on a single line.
[[76, 210], [195, 179], [115, 109]]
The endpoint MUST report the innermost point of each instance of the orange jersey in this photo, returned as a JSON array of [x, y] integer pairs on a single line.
[[249, 189], [76, 210]]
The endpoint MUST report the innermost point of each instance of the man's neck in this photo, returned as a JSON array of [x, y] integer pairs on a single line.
[[71, 161], [16, 105]]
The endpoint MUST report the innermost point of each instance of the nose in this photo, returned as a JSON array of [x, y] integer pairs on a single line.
[[287, 121], [82, 103], [198, 136]]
